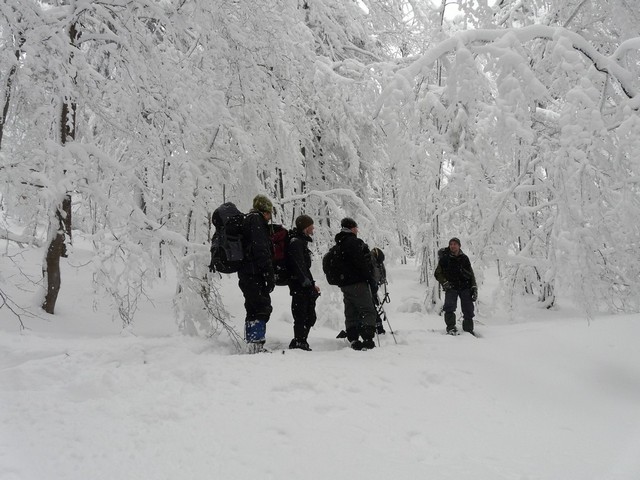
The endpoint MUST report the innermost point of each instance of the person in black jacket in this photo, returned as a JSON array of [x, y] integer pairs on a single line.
[[457, 279], [255, 276], [302, 286], [358, 286]]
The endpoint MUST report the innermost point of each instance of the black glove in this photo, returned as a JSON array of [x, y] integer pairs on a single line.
[[474, 294], [269, 282], [376, 300], [446, 286]]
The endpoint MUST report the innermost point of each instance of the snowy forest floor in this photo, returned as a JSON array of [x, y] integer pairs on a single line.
[[543, 395]]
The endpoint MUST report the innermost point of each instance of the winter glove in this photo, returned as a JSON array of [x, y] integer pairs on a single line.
[[269, 282], [446, 286], [474, 294]]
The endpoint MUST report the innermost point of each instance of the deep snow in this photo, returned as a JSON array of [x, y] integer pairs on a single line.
[[544, 395]]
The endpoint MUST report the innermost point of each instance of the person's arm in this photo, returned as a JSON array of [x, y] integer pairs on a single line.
[[296, 263], [467, 271]]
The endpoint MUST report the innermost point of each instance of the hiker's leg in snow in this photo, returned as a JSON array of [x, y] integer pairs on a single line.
[[303, 309], [360, 313], [449, 307], [257, 300], [466, 305]]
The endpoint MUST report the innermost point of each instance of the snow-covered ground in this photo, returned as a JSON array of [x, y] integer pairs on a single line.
[[543, 395]]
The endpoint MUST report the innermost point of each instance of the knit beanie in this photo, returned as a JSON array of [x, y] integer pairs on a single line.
[[303, 221], [457, 240], [348, 223], [262, 204]]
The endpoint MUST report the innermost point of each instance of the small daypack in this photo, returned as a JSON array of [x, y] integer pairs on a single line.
[[226, 243], [442, 253], [377, 264], [333, 265], [280, 238]]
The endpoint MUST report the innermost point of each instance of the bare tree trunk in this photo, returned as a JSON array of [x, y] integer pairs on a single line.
[[57, 249], [57, 246]]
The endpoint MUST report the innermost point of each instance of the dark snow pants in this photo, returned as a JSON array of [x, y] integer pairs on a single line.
[[359, 311], [303, 309], [466, 305], [257, 299]]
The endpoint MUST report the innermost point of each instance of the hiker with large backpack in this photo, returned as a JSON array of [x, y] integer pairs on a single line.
[[302, 287], [255, 275], [380, 276], [348, 265], [456, 277]]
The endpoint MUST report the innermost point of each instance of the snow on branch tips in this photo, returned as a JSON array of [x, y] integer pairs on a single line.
[[471, 39]]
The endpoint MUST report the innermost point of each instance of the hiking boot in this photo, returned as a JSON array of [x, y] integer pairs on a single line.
[[356, 345], [300, 344], [368, 344], [380, 330], [452, 331]]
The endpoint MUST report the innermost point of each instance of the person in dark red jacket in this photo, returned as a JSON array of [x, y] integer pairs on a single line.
[[255, 276], [302, 286], [455, 275], [358, 286]]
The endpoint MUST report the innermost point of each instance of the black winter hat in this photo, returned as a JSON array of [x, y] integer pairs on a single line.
[[457, 240], [303, 221], [348, 223]]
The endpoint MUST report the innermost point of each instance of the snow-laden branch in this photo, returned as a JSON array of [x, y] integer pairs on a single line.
[[624, 47], [326, 196], [19, 239], [403, 80]]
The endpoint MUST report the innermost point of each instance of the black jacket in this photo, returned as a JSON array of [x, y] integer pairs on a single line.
[[299, 262], [257, 246], [356, 259], [455, 269]]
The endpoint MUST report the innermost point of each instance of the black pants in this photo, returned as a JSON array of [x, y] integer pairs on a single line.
[[303, 309], [466, 305], [257, 299], [359, 311]]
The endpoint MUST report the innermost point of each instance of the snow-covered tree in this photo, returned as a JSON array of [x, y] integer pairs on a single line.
[[513, 125]]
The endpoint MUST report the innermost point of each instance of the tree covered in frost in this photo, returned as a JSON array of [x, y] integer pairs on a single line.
[[524, 137], [512, 125]]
